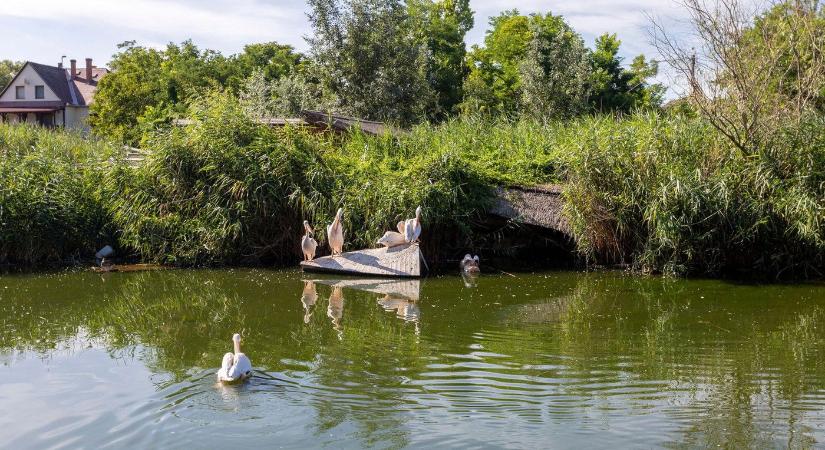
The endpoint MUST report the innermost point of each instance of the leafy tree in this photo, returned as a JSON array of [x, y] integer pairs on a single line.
[[442, 25], [369, 58], [524, 60], [554, 71], [137, 82], [273, 59], [614, 88], [159, 83], [8, 69]]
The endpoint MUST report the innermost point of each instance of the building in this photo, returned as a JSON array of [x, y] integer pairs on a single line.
[[51, 96]]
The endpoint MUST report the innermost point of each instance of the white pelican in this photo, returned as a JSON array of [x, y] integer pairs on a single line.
[[392, 239], [235, 367], [335, 234], [308, 244], [412, 227], [470, 264]]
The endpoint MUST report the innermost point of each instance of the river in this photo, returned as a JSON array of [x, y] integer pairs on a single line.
[[545, 360]]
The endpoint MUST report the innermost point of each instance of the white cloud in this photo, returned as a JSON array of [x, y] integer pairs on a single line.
[[236, 20]]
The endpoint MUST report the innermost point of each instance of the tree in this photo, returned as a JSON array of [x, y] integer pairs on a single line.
[[534, 65], [441, 25], [160, 83], [751, 72], [8, 69], [273, 59], [368, 57], [614, 88], [554, 72]]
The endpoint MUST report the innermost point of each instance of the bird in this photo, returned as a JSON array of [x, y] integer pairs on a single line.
[[412, 227], [394, 238], [335, 234], [308, 244], [235, 367], [469, 264]]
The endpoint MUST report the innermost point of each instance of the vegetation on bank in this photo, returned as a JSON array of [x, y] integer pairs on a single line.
[[663, 193]]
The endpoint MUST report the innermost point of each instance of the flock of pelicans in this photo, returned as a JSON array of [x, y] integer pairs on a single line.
[[408, 232], [236, 367]]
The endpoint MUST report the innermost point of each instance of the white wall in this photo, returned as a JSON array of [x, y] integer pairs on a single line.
[[77, 118], [28, 78]]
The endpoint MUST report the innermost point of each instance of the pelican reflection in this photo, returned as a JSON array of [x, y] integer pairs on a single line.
[[335, 310]]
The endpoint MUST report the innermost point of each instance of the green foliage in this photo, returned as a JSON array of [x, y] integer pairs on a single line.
[[50, 205], [8, 69], [146, 81], [554, 72], [442, 25], [369, 58], [616, 89], [671, 195]]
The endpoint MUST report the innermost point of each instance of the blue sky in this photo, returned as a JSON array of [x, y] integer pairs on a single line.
[[44, 30]]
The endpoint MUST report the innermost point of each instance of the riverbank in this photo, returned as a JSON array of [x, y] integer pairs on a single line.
[[659, 193]]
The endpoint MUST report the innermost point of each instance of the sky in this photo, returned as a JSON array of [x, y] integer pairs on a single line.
[[45, 30]]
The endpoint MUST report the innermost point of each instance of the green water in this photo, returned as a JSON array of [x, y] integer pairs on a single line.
[[558, 360]]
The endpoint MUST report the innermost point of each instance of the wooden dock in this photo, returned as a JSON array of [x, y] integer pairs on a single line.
[[400, 261]]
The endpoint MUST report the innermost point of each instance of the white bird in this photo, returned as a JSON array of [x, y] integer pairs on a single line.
[[235, 367], [412, 227], [308, 244], [335, 234], [470, 264], [392, 239]]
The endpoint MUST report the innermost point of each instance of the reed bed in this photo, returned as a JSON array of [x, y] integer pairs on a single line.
[[661, 193]]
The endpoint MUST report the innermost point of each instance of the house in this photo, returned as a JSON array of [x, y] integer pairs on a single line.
[[51, 96]]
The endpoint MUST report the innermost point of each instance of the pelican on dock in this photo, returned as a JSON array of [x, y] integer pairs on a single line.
[[308, 244], [235, 367], [394, 238], [412, 227], [335, 234]]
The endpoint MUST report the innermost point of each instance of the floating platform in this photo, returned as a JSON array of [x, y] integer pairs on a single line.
[[401, 261]]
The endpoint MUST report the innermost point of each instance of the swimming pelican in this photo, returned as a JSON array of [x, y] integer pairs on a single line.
[[235, 367], [308, 244], [335, 234], [412, 227], [470, 264]]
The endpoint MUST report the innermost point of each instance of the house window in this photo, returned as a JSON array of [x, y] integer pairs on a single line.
[[20, 92], [39, 92]]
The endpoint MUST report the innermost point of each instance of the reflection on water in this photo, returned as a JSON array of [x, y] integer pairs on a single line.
[[547, 360], [308, 298]]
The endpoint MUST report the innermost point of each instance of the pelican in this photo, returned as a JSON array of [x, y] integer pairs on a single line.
[[469, 264], [392, 239], [412, 227], [335, 234], [308, 244], [235, 367]]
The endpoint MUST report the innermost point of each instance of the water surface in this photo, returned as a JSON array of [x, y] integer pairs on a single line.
[[561, 360]]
